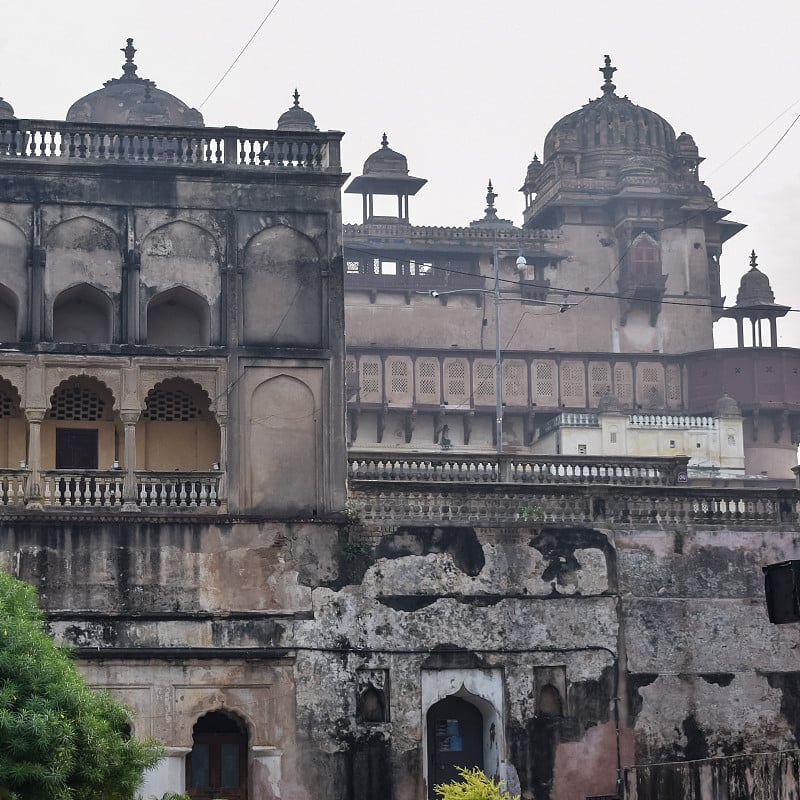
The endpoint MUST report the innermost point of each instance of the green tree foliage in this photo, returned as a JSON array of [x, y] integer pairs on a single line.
[[474, 785], [59, 740]]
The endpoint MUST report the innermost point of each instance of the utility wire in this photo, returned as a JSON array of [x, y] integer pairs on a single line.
[[241, 53]]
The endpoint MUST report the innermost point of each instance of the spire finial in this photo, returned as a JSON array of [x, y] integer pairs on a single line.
[[129, 68], [753, 262], [490, 211], [490, 194], [608, 72], [385, 140], [296, 96]]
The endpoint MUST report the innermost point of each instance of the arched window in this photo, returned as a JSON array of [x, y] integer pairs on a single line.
[[216, 769], [644, 261], [178, 317], [78, 431], [550, 701], [82, 314], [177, 428]]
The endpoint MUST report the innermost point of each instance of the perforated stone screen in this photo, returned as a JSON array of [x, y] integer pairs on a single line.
[[427, 376], [171, 405], [623, 384], [456, 372], [77, 403], [545, 391]]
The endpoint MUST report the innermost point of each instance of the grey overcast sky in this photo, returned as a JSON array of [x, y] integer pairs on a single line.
[[466, 90]]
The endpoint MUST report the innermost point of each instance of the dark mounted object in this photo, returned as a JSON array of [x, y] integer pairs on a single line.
[[781, 584]]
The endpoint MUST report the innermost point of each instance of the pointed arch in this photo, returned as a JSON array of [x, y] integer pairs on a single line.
[[178, 317], [177, 430], [83, 314], [218, 762], [280, 455], [181, 254], [282, 289], [9, 315], [13, 257]]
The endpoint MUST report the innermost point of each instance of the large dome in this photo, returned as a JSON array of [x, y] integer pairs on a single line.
[[131, 100], [609, 125]]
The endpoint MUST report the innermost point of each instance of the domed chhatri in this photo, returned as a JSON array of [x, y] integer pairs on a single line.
[[611, 123], [386, 173], [132, 100], [6, 110], [754, 288], [756, 302], [296, 118]]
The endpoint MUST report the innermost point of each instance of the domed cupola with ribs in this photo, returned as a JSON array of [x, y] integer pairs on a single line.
[[132, 100]]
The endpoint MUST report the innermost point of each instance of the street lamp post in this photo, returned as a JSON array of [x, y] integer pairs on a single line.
[[497, 298]]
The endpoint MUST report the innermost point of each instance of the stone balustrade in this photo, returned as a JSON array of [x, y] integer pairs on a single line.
[[49, 140], [13, 486], [103, 489], [527, 469], [382, 505], [675, 421]]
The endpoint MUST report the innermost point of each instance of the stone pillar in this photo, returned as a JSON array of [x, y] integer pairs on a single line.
[[33, 495], [222, 421], [130, 495]]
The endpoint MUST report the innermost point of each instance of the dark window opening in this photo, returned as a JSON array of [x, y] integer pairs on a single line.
[[216, 769], [76, 448]]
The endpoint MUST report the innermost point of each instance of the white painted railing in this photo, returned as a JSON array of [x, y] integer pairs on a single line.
[[96, 489], [13, 485], [672, 421]]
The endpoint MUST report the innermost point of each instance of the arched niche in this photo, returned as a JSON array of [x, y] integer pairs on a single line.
[[178, 317], [78, 431], [9, 315], [82, 251], [280, 453], [181, 254], [13, 427], [217, 766], [177, 430], [83, 314], [13, 257], [282, 289]]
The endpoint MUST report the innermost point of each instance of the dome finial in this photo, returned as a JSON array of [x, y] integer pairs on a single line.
[[490, 211], [608, 73], [296, 96], [753, 262], [129, 68], [385, 140]]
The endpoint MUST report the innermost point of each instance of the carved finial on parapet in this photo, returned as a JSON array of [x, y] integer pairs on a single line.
[[608, 73], [129, 68], [491, 195], [753, 261], [296, 96], [385, 140]]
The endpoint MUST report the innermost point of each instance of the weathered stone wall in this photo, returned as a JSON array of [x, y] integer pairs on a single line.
[[584, 646]]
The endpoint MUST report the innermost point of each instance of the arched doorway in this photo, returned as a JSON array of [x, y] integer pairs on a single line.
[[455, 739], [216, 769]]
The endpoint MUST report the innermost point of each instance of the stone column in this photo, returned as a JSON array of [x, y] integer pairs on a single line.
[[33, 495], [222, 421], [130, 495]]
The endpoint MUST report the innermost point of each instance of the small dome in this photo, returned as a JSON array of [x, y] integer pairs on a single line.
[[6, 110], [685, 146], [131, 100], [754, 288], [726, 406], [386, 161], [611, 124], [296, 118], [609, 404]]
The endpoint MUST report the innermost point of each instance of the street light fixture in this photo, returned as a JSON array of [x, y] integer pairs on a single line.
[[521, 264]]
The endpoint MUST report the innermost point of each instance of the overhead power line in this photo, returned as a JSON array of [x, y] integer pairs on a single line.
[[241, 53]]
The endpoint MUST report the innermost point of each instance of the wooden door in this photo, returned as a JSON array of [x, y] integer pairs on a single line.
[[455, 739]]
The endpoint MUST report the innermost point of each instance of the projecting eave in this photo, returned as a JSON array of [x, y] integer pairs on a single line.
[[385, 184], [729, 228]]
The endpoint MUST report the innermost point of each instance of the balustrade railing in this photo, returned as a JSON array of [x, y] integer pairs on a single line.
[[41, 140], [364, 465], [13, 485], [672, 421], [103, 489], [380, 503]]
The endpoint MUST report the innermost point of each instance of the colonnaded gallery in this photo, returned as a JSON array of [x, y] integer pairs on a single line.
[[494, 532]]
